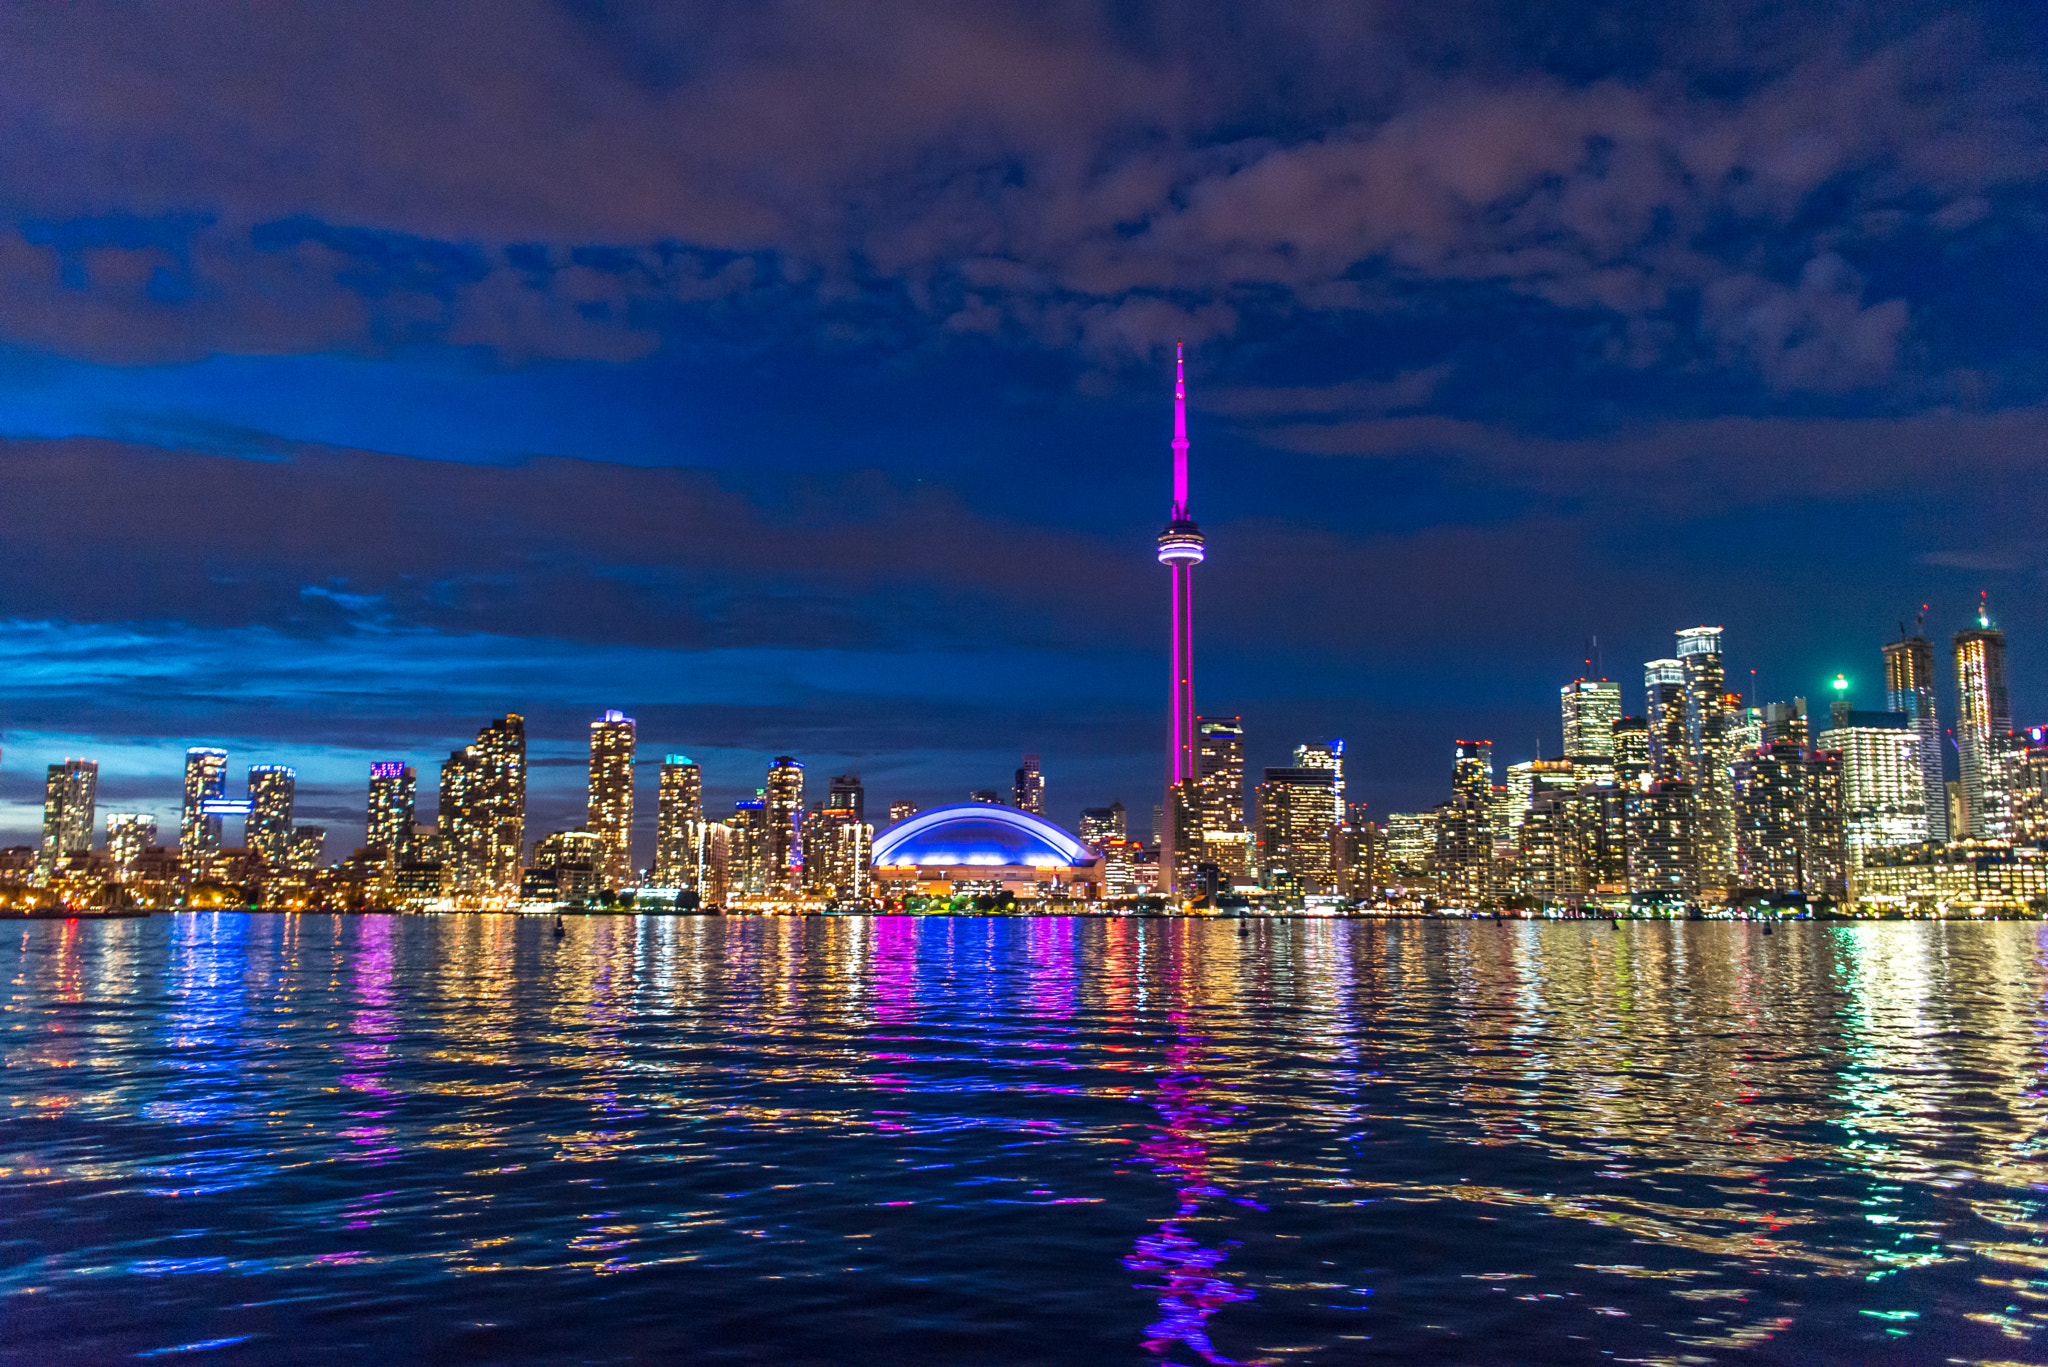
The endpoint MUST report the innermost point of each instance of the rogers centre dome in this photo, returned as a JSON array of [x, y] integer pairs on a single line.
[[980, 843]]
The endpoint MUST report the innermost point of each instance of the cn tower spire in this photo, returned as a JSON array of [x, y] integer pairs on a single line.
[[1180, 436]]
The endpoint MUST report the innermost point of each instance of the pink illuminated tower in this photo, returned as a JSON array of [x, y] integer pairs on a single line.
[[1180, 550]]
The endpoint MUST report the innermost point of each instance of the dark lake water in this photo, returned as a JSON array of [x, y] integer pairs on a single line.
[[263, 1139]]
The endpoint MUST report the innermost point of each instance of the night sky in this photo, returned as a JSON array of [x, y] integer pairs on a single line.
[[796, 377]]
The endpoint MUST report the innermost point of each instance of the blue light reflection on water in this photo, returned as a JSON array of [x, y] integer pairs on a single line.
[[260, 1139]]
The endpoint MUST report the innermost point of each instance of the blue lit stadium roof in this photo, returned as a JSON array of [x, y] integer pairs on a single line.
[[977, 833]]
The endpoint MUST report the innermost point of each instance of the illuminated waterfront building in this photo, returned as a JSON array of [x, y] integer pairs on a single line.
[[1463, 858], [1027, 790], [1527, 782], [978, 848], [1826, 856], [1711, 740], [1591, 708], [1969, 878], [1909, 688], [1363, 868], [1234, 857], [392, 808], [847, 793], [1326, 755], [70, 796], [128, 835], [1181, 548], [1631, 752], [1411, 853], [268, 829], [566, 865], [1983, 714], [782, 835], [1664, 685], [307, 849], [1662, 867], [206, 780], [1884, 789], [1099, 824], [679, 824], [1219, 763], [1597, 839], [2030, 790], [747, 863], [1770, 819], [483, 811], [1119, 866], [1297, 830], [609, 813]]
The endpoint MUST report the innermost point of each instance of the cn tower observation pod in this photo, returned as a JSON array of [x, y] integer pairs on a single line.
[[980, 847]]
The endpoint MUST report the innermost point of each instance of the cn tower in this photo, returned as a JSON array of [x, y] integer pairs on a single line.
[[1180, 550]]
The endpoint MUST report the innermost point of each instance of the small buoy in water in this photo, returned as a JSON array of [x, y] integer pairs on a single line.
[[560, 929], [1614, 923], [1768, 930], [1244, 928]]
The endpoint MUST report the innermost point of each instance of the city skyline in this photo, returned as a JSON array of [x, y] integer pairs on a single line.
[[338, 416]]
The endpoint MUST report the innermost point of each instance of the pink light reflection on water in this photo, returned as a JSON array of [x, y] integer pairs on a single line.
[[367, 1049]]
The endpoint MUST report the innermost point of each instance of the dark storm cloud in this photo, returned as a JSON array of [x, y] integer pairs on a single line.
[[555, 180]]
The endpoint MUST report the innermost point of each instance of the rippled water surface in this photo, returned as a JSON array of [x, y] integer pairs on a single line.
[[275, 1139]]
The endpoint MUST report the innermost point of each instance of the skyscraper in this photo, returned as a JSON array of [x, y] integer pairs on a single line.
[[206, 780], [393, 798], [128, 835], [483, 810], [1027, 793], [1102, 824], [610, 806], [782, 849], [1590, 708], [1884, 789], [70, 796], [1710, 743], [1326, 755], [679, 824], [268, 830], [1664, 684], [1219, 764], [1983, 717], [848, 793], [1297, 830], [1909, 688], [1180, 550]]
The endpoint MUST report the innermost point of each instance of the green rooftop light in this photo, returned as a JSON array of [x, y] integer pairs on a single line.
[[1841, 683]]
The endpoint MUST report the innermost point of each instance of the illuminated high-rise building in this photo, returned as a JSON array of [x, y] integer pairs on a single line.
[[128, 835], [747, 858], [1883, 787], [1219, 764], [1100, 825], [1662, 866], [610, 803], [1631, 752], [1326, 755], [1297, 830], [1909, 687], [782, 848], [268, 829], [1472, 771], [1411, 854], [1027, 792], [483, 811], [1181, 548], [1591, 707], [1983, 721], [1711, 739], [393, 802], [1770, 818], [901, 810], [1463, 858], [1664, 685], [1785, 722], [838, 845], [679, 824], [206, 780], [70, 797], [847, 793]]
